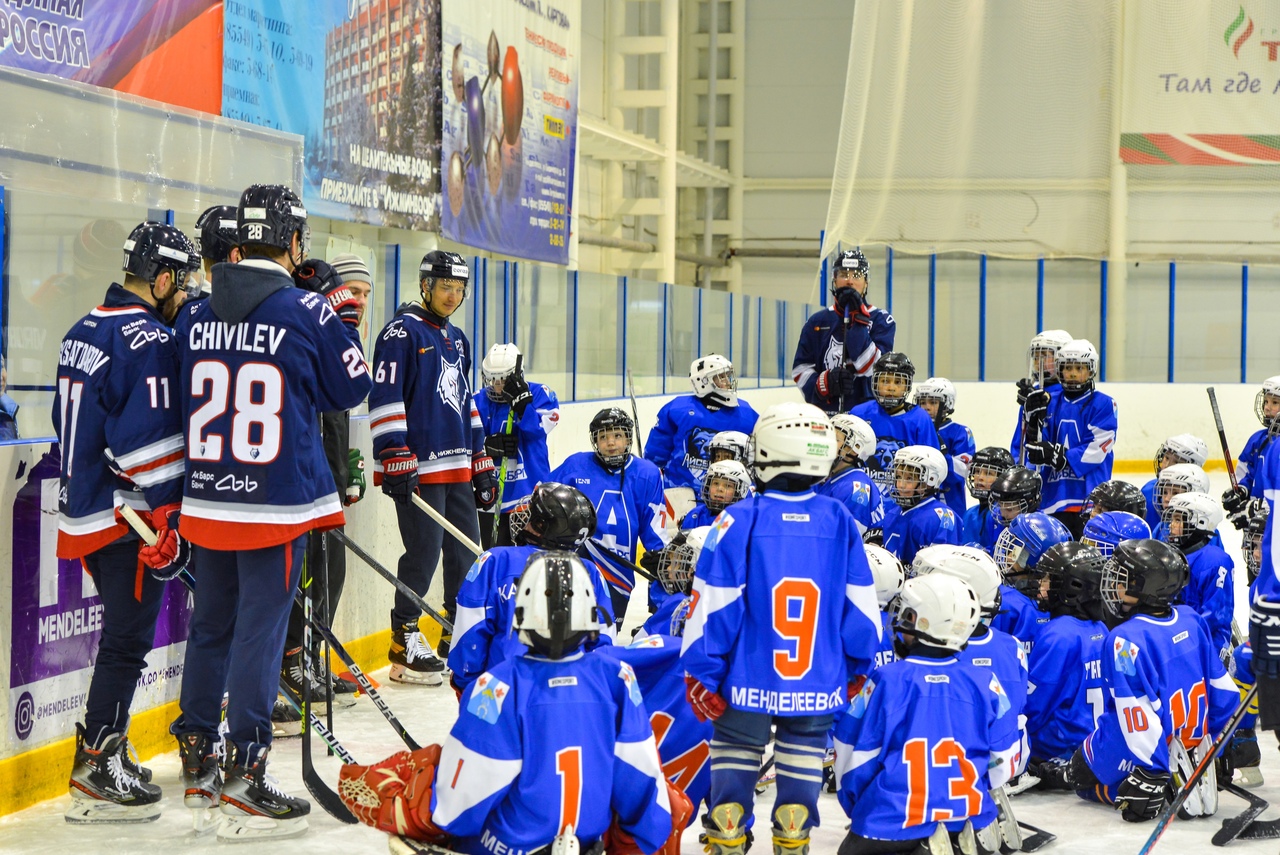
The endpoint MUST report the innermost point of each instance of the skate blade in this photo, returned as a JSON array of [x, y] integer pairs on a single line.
[[401, 674], [89, 812], [343, 702], [204, 820], [1250, 776], [248, 829], [401, 846], [286, 729]]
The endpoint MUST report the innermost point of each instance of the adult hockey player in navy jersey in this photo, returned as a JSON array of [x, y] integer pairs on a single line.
[[686, 424], [896, 422], [937, 397], [849, 482], [1169, 693], [1017, 552], [116, 396], [517, 418], [985, 469], [928, 737], [925, 520], [766, 642], [1190, 521], [428, 439], [725, 482], [839, 344], [1183, 448], [260, 362]]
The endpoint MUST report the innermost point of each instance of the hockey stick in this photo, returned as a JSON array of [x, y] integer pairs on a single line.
[[635, 412], [1171, 810], [445, 524], [597, 550], [1238, 825], [1037, 839], [502, 481], [1222, 437], [412, 595]]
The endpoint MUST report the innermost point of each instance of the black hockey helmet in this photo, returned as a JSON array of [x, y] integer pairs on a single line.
[[270, 215], [1149, 570], [853, 262], [992, 460], [1114, 495], [217, 226], [892, 364], [153, 248], [1251, 543], [555, 516], [1074, 570], [439, 264], [612, 418], [1019, 487]]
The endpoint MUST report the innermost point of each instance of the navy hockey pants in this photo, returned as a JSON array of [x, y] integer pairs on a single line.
[[131, 599], [424, 540], [242, 605], [799, 748]]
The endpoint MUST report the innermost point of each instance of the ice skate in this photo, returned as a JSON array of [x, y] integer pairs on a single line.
[[292, 674], [103, 787], [412, 661], [725, 834], [405, 846], [201, 779], [285, 720], [253, 805], [791, 830]]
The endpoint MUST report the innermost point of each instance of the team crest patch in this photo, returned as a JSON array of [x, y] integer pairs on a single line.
[[450, 386], [1126, 656], [647, 641], [1003, 705], [858, 703], [946, 518], [633, 687], [718, 528], [476, 565], [487, 698]]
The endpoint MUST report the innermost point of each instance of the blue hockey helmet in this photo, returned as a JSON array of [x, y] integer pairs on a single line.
[[1105, 531], [1024, 540]]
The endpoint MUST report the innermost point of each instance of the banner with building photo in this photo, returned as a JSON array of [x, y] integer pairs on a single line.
[[510, 102], [359, 80]]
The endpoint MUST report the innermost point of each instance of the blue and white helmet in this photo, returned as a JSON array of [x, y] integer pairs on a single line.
[[1107, 530], [1020, 545]]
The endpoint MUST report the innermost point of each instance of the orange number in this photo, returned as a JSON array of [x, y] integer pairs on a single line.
[[919, 759], [1187, 714], [569, 768], [683, 769], [915, 754], [800, 629], [1135, 720]]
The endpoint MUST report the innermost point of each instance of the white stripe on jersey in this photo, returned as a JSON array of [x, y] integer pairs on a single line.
[[709, 599], [102, 520], [643, 757], [864, 600], [466, 778], [148, 453], [242, 512], [466, 618]]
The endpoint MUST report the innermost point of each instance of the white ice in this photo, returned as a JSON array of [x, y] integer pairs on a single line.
[[1082, 828]]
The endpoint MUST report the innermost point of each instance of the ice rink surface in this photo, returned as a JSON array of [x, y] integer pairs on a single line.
[[1082, 828]]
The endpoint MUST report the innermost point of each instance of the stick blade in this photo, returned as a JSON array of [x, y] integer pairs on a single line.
[[1242, 825], [1037, 841]]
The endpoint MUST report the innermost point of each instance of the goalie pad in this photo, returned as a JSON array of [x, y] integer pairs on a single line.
[[618, 842], [1203, 799], [394, 795]]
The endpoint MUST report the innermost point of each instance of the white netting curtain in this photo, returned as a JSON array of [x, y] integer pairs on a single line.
[[979, 126]]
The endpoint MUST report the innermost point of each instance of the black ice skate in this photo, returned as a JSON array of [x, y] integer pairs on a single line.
[[412, 660], [253, 805], [103, 787], [285, 720], [292, 673], [201, 778]]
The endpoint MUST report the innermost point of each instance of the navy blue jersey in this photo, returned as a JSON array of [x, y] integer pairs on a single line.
[[678, 442], [976, 527], [1166, 682], [857, 492], [1019, 617], [924, 742], [531, 464], [958, 447], [822, 347], [771, 633], [910, 426], [1250, 459], [422, 397], [1086, 427], [513, 775], [118, 390], [698, 516], [928, 523], [1066, 693], [1211, 591]]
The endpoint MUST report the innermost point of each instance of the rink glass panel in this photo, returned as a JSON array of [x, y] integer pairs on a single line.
[[543, 328], [1263, 346], [644, 334], [1011, 316], [1206, 323], [1147, 322], [598, 336]]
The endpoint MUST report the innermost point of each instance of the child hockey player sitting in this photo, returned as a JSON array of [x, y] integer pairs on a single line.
[[928, 737], [849, 481], [918, 472], [937, 397], [1015, 492], [728, 445], [674, 568], [1189, 524], [1115, 495], [726, 482], [1019, 548], [987, 466]]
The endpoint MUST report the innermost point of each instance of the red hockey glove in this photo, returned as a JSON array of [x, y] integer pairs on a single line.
[[399, 473], [707, 705], [316, 275], [861, 315], [394, 795], [171, 552], [618, 842], [855, 686], [484, 482]]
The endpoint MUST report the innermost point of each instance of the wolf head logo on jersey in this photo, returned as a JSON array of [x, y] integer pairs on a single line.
[[450, 386], [835, 353], [1126, 657], [695, 448]]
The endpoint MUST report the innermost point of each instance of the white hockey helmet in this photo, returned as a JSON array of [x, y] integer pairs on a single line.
[[725, 470], [1179, 478], [854, 434], [713, 380], [1270, 389], [887, 572], [498, 364], [792, 438], [734, 443], [1043, 351], [939, 609], [1077, 352], [679, 559], [1186, 447], [940, 389], [922, 463], [556, 608], [975, 567], [1196, 517]]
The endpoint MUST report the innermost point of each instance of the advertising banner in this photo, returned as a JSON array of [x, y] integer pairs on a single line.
[[510, 101], [359, 80], [1202, 83]]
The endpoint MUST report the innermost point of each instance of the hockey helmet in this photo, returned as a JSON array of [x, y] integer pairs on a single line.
[[556, 611]]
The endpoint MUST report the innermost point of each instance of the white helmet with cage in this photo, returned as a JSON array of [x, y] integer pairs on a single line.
[[1179, 478], [939, 609], [792, 438], [1186, 447], [923, 464], [679, 560], [724, 473], [974, 566], [1268, 398], [887, 572], [858, 436], [714, 381], [498, 364], [940, 389], [1191, 517], [1042, 353], [732, 444]]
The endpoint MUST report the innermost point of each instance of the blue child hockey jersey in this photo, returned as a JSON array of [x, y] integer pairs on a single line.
[[958, 446], [483, 630], [884, 655], [822, 347], [856, 491], [1250, 458], [909, 426], [531, 465], [684, 743], [1066, 693], [698, 516], [928, 523], [1166, 682], [1002, 655], [769, 631], [669, 616], [261, 360], [117, 389], [977, 528], [924, 742], [678, 442], [422, 398], [1086, 427], [1211, 591], [515, 772], [1152, 516], [1266, 483], [1019, 617]]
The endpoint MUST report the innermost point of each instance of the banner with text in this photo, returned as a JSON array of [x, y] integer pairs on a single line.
[[359, 80], [1202, 83], [510, 102]]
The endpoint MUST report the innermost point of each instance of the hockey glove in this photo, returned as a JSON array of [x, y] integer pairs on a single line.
[[172, 552], [1052, 773], [516, 389], [316, 275], [707, 705], [1241, 751], [355, 476], [500, 445], [1140, 796], [1078, 775], [1047, 454], [399, 473], [649, 560], [1234, 501], [344, 304], [836, 382], [874, 536], [850, 300], [484, 482], [394, 795], [1037, 407], [618, 842], [1025, 388]]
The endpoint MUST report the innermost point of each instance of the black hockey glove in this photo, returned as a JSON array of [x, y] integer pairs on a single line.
[[1053, 773], [1140, 796], [502, 445], [399, 473], [1025, 388], [316, 275], [1047, 454], [1037, 407], [848, 299], [1078, 775], [484, 483], [1242, 751], [836, 382], [874, 536], [1234, 501], [649, 561]]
